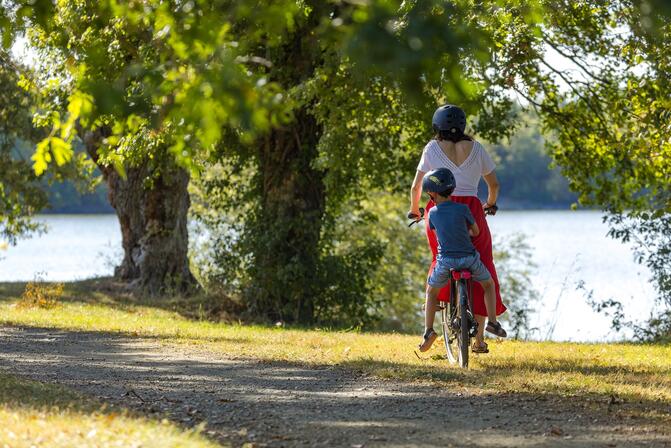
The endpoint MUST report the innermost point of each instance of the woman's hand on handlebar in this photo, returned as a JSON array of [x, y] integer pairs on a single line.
[[415, 215], [490, 209]]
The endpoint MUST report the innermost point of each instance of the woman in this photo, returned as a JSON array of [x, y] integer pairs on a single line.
[[468, 160]]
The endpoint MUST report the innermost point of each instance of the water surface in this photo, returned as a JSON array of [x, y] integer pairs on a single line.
[[568, 247]]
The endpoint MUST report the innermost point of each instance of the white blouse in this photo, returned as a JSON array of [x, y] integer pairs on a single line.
[[477, 164]]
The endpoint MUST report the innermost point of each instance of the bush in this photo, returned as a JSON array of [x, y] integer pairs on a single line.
[[41, 295], [371, 268], [514, 266]]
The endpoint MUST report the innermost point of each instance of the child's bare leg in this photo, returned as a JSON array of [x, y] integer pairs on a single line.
[[430, 314], [430, 306]]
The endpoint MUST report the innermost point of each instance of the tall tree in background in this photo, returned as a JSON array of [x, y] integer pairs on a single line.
[[20, 193]]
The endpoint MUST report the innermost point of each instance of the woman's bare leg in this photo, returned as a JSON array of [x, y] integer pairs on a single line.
[[490, 298], [480, 335]]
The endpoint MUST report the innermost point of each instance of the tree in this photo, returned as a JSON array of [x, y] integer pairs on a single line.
[[20, 193], [524, 168], [352, 128], [610, 117], [154, 84]]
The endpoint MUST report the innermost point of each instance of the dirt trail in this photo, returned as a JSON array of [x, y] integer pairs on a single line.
[[273, 404]]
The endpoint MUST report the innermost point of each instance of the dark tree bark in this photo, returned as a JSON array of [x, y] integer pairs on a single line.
[[152, 210], [290, 221], [286, 255]]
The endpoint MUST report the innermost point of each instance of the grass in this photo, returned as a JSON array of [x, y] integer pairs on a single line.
[[636, 378], [36, 414]]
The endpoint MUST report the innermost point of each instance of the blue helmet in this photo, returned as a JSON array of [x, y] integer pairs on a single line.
[[439, 181], [449, 118]]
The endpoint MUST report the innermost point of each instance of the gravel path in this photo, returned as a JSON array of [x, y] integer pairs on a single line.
[[273, 404]]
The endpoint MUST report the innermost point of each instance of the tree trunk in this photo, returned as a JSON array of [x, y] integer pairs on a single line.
[[152, 211], [290, 221]]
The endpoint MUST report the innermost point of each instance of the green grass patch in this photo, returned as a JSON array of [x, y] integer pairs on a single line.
[[633, 376], [37, 414]]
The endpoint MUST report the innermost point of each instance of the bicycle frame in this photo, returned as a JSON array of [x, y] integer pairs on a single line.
[[458, 321]]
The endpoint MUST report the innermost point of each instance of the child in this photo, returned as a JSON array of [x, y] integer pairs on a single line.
[[454, 225]]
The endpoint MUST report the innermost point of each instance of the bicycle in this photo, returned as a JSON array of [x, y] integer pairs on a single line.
[[458, 323]]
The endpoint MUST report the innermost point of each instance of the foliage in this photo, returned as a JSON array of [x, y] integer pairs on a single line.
[[361, 74], [515, 268], [651, 233], [523, 167], [353, 129], [20, 193], [136, 65], [610, 116], [373, 271], [70, 190], [41, 295], [394, 277], [162, 82], [223, 256]]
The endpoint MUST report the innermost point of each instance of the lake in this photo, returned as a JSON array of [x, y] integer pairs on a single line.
[[568, 247]]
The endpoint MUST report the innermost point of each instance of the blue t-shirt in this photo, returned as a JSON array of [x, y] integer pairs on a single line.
[[451, 221]]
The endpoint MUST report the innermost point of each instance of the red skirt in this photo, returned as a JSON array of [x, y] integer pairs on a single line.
[[482, 243]]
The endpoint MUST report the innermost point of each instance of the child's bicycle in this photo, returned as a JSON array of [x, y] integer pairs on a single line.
[[458, 322]]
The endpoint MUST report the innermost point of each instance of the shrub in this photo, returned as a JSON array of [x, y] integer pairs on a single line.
[[41, 295]]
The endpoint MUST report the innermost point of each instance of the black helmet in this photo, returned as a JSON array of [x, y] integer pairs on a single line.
[[439, 181], [450, 119]]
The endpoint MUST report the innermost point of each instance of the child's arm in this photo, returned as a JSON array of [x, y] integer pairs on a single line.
[[474, 230]]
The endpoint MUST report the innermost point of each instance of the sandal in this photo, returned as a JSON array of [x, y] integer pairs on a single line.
[[496, 329], [479, 348], [429, 338]]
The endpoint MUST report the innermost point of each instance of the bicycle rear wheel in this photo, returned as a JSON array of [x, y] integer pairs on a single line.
[[449, 336], [463, 336]]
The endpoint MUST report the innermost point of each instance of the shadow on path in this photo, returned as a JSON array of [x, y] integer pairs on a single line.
[[282, 404]]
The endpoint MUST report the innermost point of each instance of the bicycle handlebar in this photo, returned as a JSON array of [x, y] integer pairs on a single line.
[[415, 218], [491, 209]]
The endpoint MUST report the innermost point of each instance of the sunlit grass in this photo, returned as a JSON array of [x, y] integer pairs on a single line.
[[35, 414], [629, 373]]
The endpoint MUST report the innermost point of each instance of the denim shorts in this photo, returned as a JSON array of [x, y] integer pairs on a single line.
[[441, 273]]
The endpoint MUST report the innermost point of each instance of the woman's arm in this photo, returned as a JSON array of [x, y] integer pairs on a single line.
[[416, 192], [492, 187]]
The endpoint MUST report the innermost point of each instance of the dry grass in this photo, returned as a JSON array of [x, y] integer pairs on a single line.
[[39, 415]]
